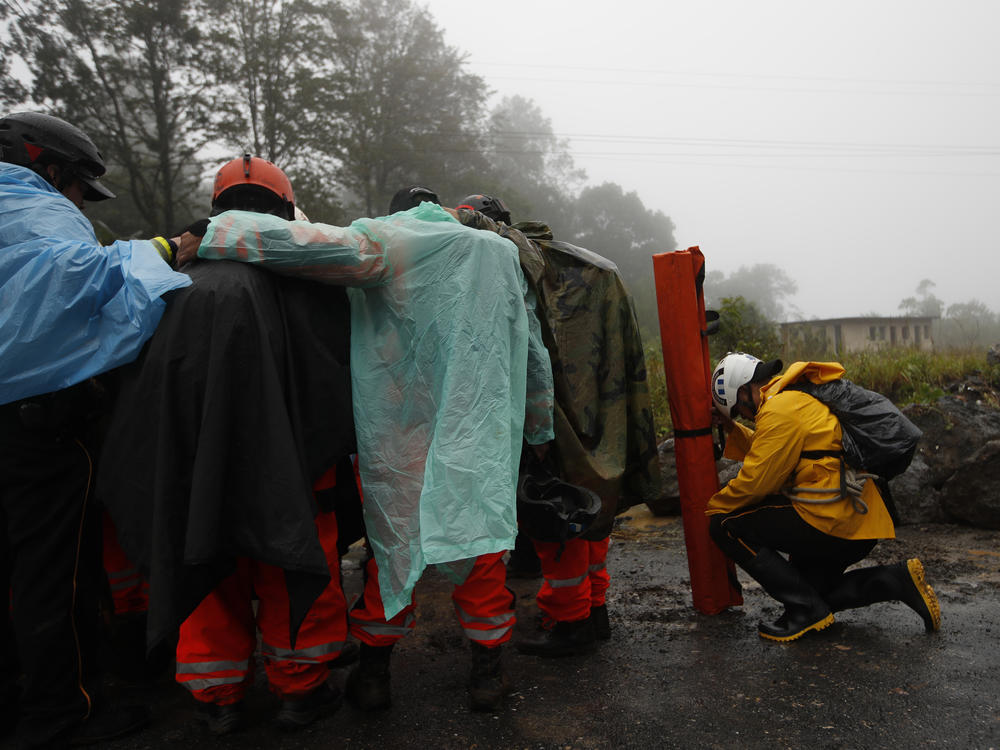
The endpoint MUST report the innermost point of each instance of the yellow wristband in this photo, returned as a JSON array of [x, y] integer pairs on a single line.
[[164, 247]]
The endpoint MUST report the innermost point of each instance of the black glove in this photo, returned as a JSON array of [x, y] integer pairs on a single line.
[[197, 228]]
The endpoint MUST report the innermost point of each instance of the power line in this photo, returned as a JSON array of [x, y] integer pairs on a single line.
[[775, 76], [762, 161], [758, 166], [738, 87], [822, 148], [896, 148]]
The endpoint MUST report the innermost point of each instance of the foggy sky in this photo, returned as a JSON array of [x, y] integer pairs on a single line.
[[856, 144]]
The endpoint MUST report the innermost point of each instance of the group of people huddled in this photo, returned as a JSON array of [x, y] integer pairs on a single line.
[[235, 405]]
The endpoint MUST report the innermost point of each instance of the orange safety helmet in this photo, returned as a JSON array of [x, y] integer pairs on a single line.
[[252, 170]]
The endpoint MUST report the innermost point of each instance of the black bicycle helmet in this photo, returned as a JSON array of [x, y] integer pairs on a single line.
[[551, 510], [410, 197], [35, 140]]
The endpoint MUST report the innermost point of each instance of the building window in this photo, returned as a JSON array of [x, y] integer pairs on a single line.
[[906, 332], [871, 333]]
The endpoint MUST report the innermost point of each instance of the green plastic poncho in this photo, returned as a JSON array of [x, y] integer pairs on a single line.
[[440, 372]]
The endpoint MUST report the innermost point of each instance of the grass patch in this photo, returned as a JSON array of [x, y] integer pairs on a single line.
[[905, 376]]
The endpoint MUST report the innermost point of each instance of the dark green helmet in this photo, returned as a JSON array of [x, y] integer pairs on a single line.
[[487, 205]]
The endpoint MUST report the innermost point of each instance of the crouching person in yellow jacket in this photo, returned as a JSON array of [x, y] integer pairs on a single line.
[[787, 498]]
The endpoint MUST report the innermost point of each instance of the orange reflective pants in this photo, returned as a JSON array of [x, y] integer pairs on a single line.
[[217, 641], [483, 603], [129, 589], [576, 581]]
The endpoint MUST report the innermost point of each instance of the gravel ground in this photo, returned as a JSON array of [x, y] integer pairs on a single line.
[[673, 678]]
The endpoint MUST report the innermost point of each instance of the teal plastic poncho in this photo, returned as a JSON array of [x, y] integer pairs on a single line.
[[439, 369], [69, 307]]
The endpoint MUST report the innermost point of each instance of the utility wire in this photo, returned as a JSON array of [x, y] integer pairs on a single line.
[[619, 82], [659, 71], [767, 146]]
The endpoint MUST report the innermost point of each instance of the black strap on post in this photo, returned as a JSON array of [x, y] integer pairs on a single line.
[[693, 433]]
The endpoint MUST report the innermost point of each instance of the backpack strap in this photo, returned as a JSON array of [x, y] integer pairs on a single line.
[[852, 484], [848, 477]]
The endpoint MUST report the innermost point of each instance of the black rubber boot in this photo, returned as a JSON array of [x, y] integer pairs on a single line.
[[805, 610], [368, 683], [565, 639], [349, 654], [902, 582], [602, 625], [221, 720], [302, 711], [488, 683]]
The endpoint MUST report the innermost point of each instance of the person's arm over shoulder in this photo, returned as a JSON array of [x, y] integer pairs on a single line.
[[70, 308], [532, 261], [350, 256], [538, 413], [774, 450]]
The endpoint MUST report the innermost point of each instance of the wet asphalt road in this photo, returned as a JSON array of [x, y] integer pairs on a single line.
[[672, 678]]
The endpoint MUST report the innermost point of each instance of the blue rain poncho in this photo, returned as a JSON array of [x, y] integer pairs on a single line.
[[440, 371], [69, 307]]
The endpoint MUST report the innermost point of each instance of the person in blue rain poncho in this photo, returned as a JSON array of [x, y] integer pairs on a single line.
[[443, 393], [70, 309]]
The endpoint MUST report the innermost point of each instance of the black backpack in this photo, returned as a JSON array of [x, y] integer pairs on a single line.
[[877, 438]]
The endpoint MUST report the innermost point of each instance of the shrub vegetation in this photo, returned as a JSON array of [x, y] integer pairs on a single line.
[[905, 376]]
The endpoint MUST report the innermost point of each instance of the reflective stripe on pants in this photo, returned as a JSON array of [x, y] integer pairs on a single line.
[[575, 582], [483, 604], [217, 640], [367, 616], [129, 589]]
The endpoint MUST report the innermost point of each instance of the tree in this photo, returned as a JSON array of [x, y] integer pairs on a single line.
[[617, 225], [264, 57], [122, 71], [969, 324], [924, 304], [399, 108], [268, 60], [764, 285], [12, 91], [744, 328], [530, 168]]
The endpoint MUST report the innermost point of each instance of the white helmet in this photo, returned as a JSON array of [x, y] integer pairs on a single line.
[[733, 372]]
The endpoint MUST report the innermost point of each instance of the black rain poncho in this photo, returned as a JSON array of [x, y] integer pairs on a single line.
[[239, 402]]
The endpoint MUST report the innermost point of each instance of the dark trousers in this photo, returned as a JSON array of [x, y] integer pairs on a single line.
[[50, 542], [774, 524]]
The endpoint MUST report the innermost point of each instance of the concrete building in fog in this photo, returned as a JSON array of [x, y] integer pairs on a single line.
[[840, 335]]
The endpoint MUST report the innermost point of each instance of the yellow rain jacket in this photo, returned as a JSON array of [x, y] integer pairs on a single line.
[[787, 423]]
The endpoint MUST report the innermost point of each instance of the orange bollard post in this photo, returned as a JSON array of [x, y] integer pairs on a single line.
[[681, 305]]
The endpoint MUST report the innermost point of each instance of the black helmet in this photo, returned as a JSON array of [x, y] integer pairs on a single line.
[[551, 510], [34, 140], [409, 197], [487, 205]]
